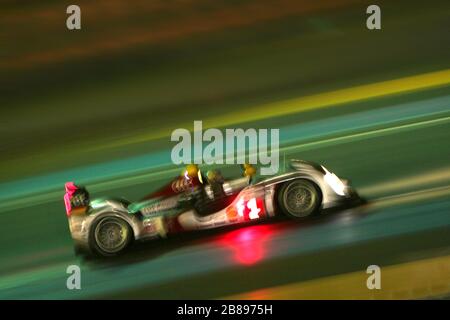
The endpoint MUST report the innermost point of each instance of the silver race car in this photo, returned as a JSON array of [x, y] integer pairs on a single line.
[[107, 226]]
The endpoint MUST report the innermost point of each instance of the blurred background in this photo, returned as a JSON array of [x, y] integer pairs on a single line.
[[98, 105]]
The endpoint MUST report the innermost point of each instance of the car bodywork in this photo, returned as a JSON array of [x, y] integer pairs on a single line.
[[160, 216]]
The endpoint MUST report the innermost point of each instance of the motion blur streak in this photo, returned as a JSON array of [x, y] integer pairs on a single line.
[[214, 20], [412, 197], [436, 176], [367, 134], [415, 280], [318, 101]]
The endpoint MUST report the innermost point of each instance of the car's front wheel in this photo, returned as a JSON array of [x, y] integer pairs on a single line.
[[109, 236], [299, 198]]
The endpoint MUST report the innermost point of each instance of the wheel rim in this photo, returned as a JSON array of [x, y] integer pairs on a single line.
[[111, 235], [299, 199]]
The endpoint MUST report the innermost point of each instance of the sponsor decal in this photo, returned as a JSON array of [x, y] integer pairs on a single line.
[[159, 206]]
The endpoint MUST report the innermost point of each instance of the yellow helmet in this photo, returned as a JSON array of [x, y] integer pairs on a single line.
[[249, 170], [191, 171]]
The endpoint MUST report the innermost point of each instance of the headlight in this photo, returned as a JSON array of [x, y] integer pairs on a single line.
[[334, 182]]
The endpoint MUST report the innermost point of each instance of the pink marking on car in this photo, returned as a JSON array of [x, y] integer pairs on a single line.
[[70, 190]]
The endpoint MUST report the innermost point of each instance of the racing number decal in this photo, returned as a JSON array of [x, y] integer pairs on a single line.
[[240, 207], [250, 209], [254, 210]]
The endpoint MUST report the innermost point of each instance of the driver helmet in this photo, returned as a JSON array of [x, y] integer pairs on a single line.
[[191, 171], [249, 170]]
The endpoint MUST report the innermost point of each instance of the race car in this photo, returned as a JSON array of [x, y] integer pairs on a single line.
[[193, 201]]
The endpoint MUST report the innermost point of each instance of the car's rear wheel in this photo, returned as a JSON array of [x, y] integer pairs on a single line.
[[110, 236], [299, 199]]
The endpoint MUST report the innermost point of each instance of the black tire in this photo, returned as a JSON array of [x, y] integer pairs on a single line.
[[109, 236], [299, 199]]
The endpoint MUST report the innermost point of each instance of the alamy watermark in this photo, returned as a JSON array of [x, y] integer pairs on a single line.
[[73, 21], [73, 281], [373, 21], [374, 280], [234, 146]]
